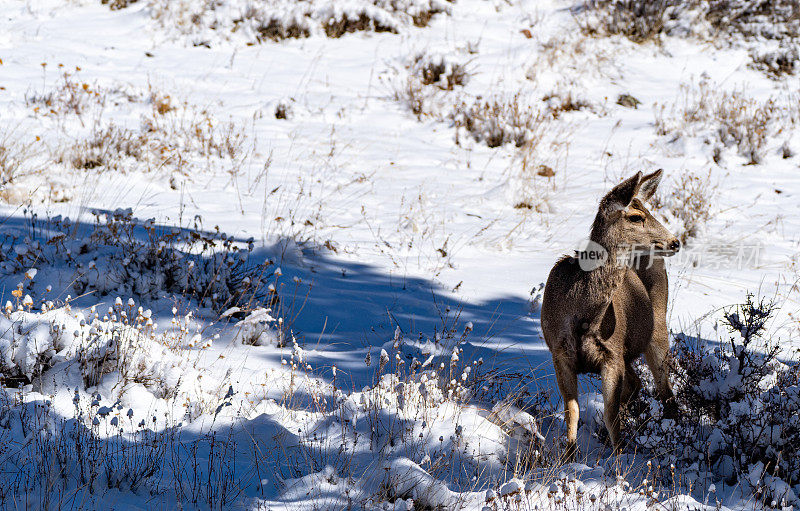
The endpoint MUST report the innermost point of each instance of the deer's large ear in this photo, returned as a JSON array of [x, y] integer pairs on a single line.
[[648, 185], [621, 195]]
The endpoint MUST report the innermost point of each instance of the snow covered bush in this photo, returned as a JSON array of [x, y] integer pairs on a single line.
[[207, 21], [739, 419], [745, 23], [772, 19], [119, 255], [258, 328], [638, 20], [778, 62], [413, 437], [442, 70], [424, 85], [85, 346], [726, 119], [501, 120]]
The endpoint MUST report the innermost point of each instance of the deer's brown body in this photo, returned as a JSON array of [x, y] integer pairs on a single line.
[[601, 320]]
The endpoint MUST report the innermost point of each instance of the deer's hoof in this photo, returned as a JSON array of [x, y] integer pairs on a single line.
[[670, 409], [570, 452]]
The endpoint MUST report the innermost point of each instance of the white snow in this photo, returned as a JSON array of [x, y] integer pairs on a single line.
[[232, 249]]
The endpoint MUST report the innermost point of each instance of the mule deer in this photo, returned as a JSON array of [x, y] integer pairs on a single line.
[[600, 320]]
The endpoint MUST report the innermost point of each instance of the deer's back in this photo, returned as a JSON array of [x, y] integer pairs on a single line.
[[626, 327]]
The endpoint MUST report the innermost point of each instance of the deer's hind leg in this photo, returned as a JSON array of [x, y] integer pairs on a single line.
[[567, 379]]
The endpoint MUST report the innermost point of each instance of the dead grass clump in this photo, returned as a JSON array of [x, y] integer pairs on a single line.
[[118, 4], [175, 141], [105, 149], [638, 20], [426, 81], [499, 121], [727, 21], [276, 30], [14, 157], [755, 21], [284, 110], [71, 96], [348, 23], [169, 134], [560, 102], [411, 93], [162, 103]]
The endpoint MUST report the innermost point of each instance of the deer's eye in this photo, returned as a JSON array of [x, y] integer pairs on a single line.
[[636, 218]]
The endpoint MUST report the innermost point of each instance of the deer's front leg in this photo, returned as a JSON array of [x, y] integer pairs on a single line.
[[631, 385], [657, 357], [612, 375], [567, 380]]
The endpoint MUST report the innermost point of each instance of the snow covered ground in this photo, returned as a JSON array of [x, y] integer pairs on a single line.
[[287, 255]]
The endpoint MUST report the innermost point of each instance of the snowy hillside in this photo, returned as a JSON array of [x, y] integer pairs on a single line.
[[285, 254]]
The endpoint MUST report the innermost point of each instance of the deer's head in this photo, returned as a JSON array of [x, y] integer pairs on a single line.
[[624, 223]]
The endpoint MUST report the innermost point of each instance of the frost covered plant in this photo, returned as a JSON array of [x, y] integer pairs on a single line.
[[725, 119], [740, 412]]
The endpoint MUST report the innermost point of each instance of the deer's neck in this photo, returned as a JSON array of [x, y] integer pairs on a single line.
[[604, 280]]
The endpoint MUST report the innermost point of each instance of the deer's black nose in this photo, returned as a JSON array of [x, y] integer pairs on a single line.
[[674, 245]]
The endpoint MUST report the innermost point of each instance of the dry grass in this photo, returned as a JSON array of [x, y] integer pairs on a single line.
[[411, 93], [115, 5], [336, 27], [426, 83], [74, 125], [168, 135], [15, 156]]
